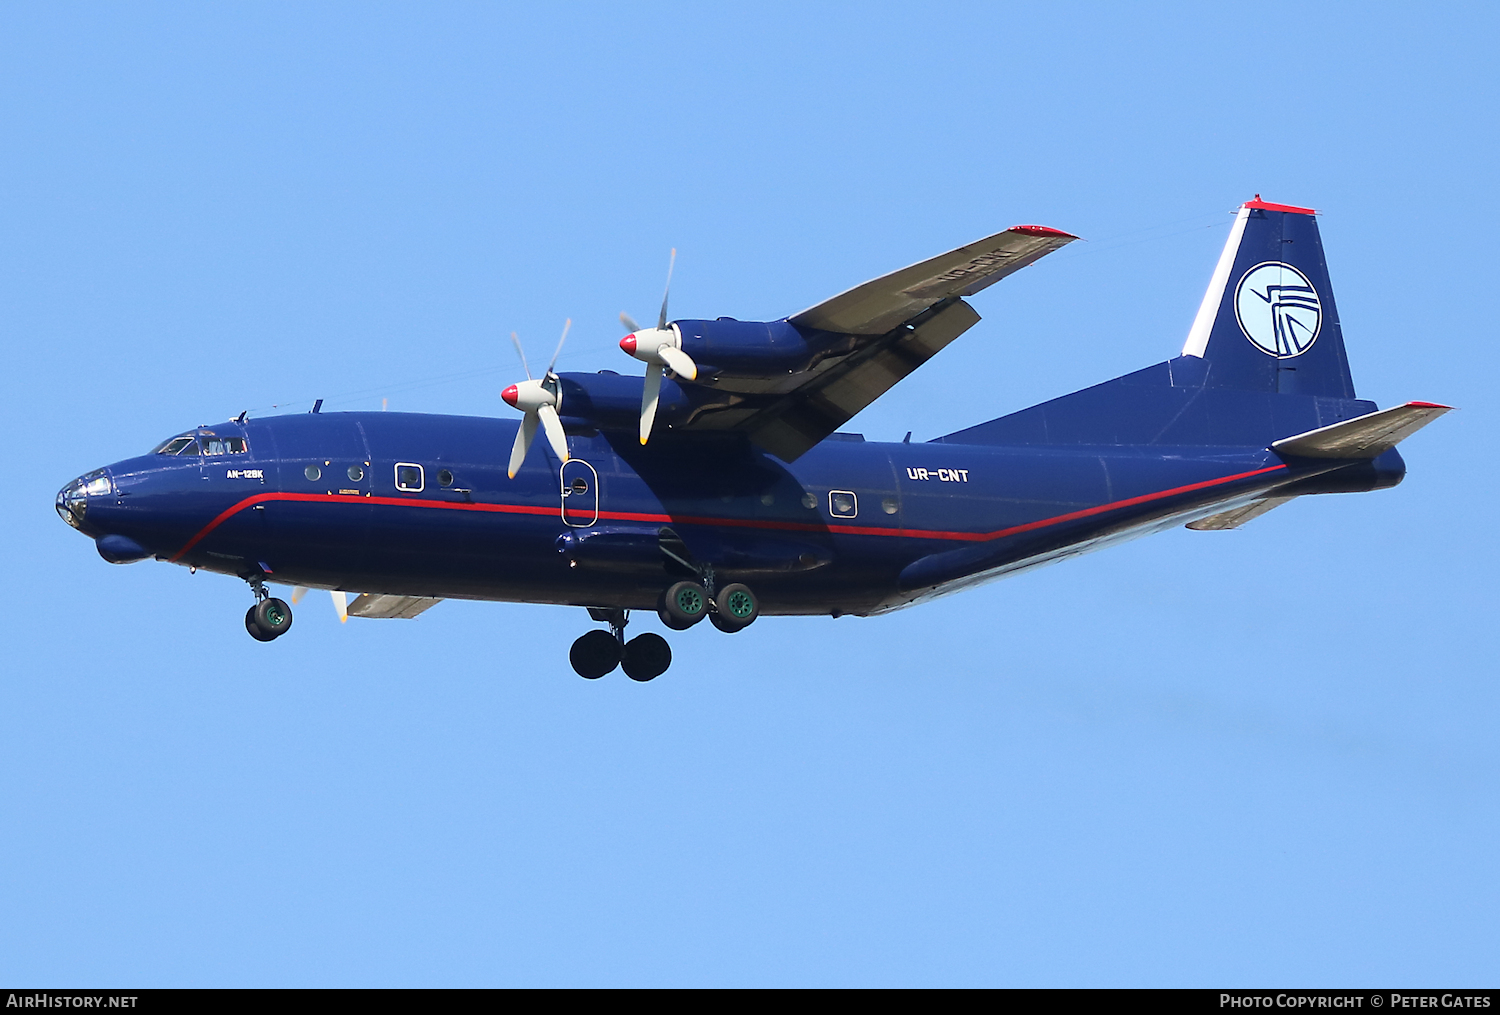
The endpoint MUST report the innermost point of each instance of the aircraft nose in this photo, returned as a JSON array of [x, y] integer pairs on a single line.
[[73, 499]]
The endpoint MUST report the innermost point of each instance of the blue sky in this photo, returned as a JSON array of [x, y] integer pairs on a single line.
[[1261, 756]]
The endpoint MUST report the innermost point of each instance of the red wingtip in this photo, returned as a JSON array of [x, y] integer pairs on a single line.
[[1268, 206], [510, 395], [628, 344], [1040, 231]]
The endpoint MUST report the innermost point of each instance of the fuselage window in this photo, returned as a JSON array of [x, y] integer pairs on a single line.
[[842, 504], [410, 478], [313, 473], [356, 473], [445, 478]]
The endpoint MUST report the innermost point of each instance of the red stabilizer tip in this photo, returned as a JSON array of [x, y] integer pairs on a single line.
[[510, 395], [1268, 206], [628, 344], [1428, 405], [1040, 231]]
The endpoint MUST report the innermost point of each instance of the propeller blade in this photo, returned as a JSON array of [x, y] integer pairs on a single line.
[[516, 341], [524, 433], [298, 593], [630, 326], [566, 325], [681, 363], [553, 428], [649, 398], [661, 322], [341, 605]]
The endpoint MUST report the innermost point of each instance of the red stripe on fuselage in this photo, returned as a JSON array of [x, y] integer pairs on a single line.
[[740, 523]]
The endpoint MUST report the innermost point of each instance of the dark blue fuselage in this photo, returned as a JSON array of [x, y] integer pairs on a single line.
[[421, 505]]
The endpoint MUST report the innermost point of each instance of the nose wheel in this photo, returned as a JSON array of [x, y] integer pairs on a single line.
[[269, 618]]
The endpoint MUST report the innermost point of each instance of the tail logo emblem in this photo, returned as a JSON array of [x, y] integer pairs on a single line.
[[1278, 309]]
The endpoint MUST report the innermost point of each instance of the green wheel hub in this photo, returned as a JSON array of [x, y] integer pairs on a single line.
[[690, 601], [740, 605]]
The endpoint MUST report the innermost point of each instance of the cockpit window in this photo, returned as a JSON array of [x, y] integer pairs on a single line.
[[205, 445], [178, 445], [222, 445]]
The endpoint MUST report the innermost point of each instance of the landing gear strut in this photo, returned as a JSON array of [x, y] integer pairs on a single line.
[[644, 657], [269, 618]]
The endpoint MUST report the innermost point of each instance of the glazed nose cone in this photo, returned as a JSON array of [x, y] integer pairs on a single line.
[[73, 499]]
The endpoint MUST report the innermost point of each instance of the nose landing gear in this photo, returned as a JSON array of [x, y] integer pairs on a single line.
[[269, 618]]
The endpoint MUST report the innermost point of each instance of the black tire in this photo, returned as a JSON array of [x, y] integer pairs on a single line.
[[255, 631], [683, 605], [647, 657], [717, 620], [273, 617], [735, 608], [595, 654]]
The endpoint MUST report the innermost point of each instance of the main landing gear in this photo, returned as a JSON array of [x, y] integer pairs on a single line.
[[647, 656], [644, 657], [269, 618]]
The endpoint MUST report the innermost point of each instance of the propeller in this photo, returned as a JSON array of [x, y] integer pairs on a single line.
[[659, 347], [340, 601], [539, 400]]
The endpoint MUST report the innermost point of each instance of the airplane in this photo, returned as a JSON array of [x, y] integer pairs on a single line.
[[719, 487]]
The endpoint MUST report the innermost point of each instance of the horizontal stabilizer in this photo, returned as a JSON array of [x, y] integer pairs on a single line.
[[1239, 516], [1367, 436], [376, 607]]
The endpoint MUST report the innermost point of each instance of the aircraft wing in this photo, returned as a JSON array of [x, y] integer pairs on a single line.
[[874, 335], [889, 301]]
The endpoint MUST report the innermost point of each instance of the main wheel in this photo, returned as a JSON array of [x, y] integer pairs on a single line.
[[595, 654], [647, 657], [273, 617], [683, 605], [253, 628], [737, 608]]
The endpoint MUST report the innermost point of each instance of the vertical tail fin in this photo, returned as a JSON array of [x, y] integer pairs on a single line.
[[1268, 321]]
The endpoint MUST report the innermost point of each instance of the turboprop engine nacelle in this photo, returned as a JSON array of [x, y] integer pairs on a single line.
[[610, 401], [744, 347]]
